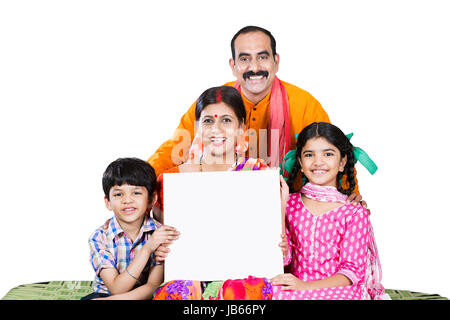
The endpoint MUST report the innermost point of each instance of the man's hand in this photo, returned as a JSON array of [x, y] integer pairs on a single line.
[[356, 199]]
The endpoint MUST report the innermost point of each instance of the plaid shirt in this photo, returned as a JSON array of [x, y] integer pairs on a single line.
[[111, 248]]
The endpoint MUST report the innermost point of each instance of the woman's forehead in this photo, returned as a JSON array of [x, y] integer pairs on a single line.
[[218, 109]]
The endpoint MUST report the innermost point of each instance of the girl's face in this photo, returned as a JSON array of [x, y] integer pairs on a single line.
[[321, 161], [219, 129]]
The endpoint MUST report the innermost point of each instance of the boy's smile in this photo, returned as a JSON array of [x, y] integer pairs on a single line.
[[129, 210], [129, 203]]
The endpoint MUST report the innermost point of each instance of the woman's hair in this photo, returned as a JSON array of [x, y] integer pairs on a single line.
[[132, 171], [336, 137], [226, 94]]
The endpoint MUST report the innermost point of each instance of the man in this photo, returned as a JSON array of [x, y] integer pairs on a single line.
[[276, 110]]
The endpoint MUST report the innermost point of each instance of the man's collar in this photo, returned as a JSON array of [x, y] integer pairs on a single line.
[[266, 99]]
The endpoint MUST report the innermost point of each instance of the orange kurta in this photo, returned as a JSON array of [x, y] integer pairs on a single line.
[[304, 109]]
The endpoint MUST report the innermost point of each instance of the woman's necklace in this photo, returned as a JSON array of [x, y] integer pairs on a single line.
[[235, 162]]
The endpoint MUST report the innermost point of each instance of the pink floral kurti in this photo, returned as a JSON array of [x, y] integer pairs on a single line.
[[321, 246]]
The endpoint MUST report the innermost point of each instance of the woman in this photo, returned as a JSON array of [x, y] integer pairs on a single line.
[[220, 142], [219, 145]]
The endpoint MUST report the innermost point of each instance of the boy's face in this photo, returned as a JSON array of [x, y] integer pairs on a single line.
[[129, 203]]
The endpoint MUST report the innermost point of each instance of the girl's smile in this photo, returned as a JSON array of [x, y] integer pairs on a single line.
[[321, 162]]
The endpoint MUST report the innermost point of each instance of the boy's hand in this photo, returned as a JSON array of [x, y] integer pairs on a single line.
[[284, 245], [163, 235]]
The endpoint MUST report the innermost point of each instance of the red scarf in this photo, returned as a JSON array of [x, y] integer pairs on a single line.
[[278, 120]]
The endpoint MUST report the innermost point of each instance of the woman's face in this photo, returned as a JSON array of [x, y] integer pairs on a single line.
[[219, 129]]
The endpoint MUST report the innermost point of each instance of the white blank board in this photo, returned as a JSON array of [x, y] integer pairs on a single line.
[[230, 224]]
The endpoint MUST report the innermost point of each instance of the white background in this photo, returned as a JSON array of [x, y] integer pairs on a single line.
[[85, 82]]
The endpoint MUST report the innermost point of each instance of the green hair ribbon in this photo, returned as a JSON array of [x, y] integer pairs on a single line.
[[360, 155]]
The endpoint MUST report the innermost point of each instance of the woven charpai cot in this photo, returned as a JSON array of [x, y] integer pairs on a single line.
[[53, 290], [74, 290]]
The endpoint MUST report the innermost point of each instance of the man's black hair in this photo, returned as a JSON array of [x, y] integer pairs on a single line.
[[247, 29]]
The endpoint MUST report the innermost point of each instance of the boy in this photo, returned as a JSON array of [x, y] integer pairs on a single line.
[[122, 250]]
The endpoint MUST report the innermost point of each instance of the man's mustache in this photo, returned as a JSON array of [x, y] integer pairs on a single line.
[[251, 74]]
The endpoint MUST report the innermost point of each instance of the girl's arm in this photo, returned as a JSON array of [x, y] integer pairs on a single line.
[[354, 247], [144, 292], [291, 282]]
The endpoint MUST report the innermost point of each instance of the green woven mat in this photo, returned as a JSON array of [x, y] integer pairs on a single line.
[[53, 290], [74, 290], [410, 295]]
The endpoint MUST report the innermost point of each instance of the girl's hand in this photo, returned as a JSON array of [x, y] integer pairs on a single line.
[[289, 282], [284, 245], [163, 235]]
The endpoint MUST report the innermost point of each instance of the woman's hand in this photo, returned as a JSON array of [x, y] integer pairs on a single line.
[[284, 191], [161, 253], [162, 236], [289, 282], [284, 245]]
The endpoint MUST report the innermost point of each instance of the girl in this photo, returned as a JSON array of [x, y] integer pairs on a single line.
[[329, 246]]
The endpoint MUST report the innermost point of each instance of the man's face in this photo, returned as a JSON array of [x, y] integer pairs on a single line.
[[255, 65]]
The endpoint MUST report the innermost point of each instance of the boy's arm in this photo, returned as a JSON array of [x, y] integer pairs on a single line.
[[122, 282], [125, 281], [155, 278]]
